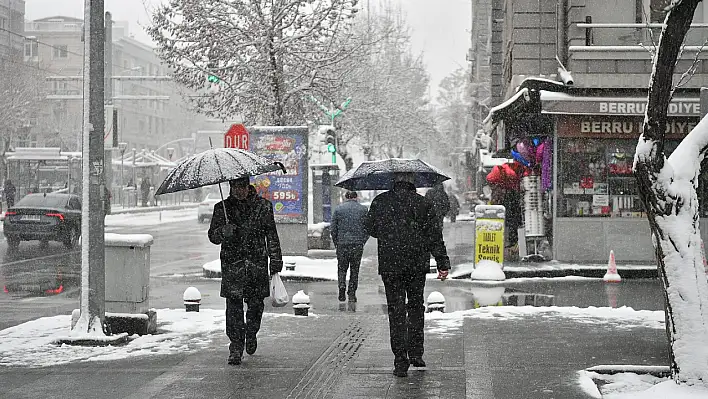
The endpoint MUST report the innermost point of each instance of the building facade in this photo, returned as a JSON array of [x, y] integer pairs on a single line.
[[12, 18], [151, 112], [576, 73]]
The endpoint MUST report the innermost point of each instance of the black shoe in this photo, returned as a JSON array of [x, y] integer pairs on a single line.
[[251, 344], [417, 362], [342, 295], [234, 358], [400, 372], [352, 297]]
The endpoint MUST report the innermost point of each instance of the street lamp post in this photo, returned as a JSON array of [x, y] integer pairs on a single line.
[[122, 146], [133, 180]]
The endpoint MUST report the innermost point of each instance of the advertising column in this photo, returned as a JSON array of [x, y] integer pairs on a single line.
[[287, 192]]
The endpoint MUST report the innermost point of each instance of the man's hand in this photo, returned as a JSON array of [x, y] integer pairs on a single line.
[[442, 275], [227, 231]]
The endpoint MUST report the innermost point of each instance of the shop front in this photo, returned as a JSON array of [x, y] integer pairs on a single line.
[[598, 208]]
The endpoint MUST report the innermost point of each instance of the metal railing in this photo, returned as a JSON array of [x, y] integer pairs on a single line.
[[629, 37]]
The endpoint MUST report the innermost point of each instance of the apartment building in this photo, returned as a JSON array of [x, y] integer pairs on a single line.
[[576, 73], [12, 16], [151, 112]]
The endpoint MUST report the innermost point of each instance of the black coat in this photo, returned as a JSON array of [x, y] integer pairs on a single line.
[[404, 223], [244, 256], [441, 202]]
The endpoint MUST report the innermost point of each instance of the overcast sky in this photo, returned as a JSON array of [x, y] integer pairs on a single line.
[[439, 27]]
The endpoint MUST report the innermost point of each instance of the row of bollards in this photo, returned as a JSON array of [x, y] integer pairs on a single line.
[[301, 302]]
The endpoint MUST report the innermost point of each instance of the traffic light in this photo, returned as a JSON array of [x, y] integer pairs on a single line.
[[331, 140]]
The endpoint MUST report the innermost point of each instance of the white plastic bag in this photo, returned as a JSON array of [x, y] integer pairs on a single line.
[[278, 295]]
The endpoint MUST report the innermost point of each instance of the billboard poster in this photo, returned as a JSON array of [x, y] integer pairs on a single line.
[[287, 192]]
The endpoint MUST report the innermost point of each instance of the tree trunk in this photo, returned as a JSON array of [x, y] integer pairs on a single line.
[[672, 210]]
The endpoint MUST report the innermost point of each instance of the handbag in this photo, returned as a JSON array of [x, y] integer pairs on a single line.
[[278, 294]]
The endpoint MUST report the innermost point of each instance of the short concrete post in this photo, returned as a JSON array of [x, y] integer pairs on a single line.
[[436, 302], [290, 266], [192, 298], [301, 303]]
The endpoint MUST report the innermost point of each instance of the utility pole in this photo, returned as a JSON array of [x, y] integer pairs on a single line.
[[93, 280], [111, 109]]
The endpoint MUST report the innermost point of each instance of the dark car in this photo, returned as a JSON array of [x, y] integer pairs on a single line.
[[44, 217]]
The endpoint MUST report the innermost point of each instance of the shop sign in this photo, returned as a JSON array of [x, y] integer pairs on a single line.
[[608, 127], [619, 106], [489, 233]]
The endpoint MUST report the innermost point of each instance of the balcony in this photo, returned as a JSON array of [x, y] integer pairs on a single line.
[[619, 55]]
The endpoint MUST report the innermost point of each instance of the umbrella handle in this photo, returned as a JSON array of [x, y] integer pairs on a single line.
[[282, 167], [221, 193]]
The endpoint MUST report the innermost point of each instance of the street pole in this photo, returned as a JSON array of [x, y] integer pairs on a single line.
[[93, 280]]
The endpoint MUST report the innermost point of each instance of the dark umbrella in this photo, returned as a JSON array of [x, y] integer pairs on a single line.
[[215, 166], [379, 175]]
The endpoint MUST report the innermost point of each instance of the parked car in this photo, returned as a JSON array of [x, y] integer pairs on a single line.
[[206, 207], [44, 217]]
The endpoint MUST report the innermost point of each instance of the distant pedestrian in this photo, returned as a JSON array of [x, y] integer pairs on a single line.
[[454, 208], [248, 239], [405, 224], [9, 192], [145, 190], [441, 203], [349, 235]]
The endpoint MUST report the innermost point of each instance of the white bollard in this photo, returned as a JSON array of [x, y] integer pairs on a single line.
[[192, 298], [301, 303], [436, 302]]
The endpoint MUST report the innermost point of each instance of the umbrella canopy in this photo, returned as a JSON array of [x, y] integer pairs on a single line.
[[379, 175], [214, 166]]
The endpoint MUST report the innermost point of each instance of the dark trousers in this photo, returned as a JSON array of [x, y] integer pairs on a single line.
[[349, 258], [236, 327], [405, 320]]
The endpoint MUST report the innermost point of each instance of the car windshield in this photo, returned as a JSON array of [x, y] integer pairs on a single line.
[[41, 201]]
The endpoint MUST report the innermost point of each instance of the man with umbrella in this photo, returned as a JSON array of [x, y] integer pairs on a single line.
[[244, 225], [405, 224]]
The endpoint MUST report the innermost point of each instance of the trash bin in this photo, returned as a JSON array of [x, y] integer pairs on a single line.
[[127, 272]]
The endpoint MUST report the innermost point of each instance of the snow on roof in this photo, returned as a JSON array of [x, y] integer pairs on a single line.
[[128, 240]]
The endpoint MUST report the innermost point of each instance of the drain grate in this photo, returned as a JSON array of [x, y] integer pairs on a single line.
[[323, 375]]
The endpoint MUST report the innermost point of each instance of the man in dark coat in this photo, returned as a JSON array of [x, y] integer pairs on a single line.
[[248, 240], [441, 203], [404, 223], [9, 192], [349, 236], [454, 208]]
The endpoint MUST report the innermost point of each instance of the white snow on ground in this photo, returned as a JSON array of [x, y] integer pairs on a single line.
[[32, 344], [325, 269], [638, 386], [151, 218]]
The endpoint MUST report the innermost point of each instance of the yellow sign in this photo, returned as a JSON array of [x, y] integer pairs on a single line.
[[489, 240]]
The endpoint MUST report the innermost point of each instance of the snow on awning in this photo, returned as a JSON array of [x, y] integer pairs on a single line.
[[564, 103], [501, 111], [36, 154]]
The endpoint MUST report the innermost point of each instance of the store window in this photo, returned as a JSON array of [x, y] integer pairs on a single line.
[[595, 178]]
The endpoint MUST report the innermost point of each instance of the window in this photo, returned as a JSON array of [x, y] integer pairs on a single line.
[[31, 48], [3, 23], [60, 51]]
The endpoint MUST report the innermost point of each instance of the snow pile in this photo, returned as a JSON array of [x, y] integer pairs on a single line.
[[637, 386], [151, 218], [488, 270], [324, 269], [316, 229]]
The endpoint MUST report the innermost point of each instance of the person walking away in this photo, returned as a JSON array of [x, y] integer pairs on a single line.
[[248, 240], [441, 203], [454, 208], [145, 190], [9, 191], [405, 224], [349, 236]]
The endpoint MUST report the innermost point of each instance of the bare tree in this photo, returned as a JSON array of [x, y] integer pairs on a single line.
[[265, 54], [21, 98], [668, 189]]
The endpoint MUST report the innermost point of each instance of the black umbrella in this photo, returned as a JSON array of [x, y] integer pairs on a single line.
[[215, 166], [379, 175]]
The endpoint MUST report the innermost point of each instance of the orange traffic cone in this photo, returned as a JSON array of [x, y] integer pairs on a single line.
[[612, 276]]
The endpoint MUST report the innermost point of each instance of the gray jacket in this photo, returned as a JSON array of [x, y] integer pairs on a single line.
[[347, 226]]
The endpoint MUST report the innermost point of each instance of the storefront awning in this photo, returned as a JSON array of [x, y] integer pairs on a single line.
[[565, 103]]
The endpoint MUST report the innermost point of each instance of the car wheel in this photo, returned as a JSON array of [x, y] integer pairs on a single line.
[[71, 238]]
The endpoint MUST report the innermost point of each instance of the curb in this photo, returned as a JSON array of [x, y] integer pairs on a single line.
[[153, 209], [648, 273], [213, 274]]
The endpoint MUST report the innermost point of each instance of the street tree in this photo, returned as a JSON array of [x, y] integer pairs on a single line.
[[22, 93], [390, 115], [668, 188], [256, 59], [453, 107]]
